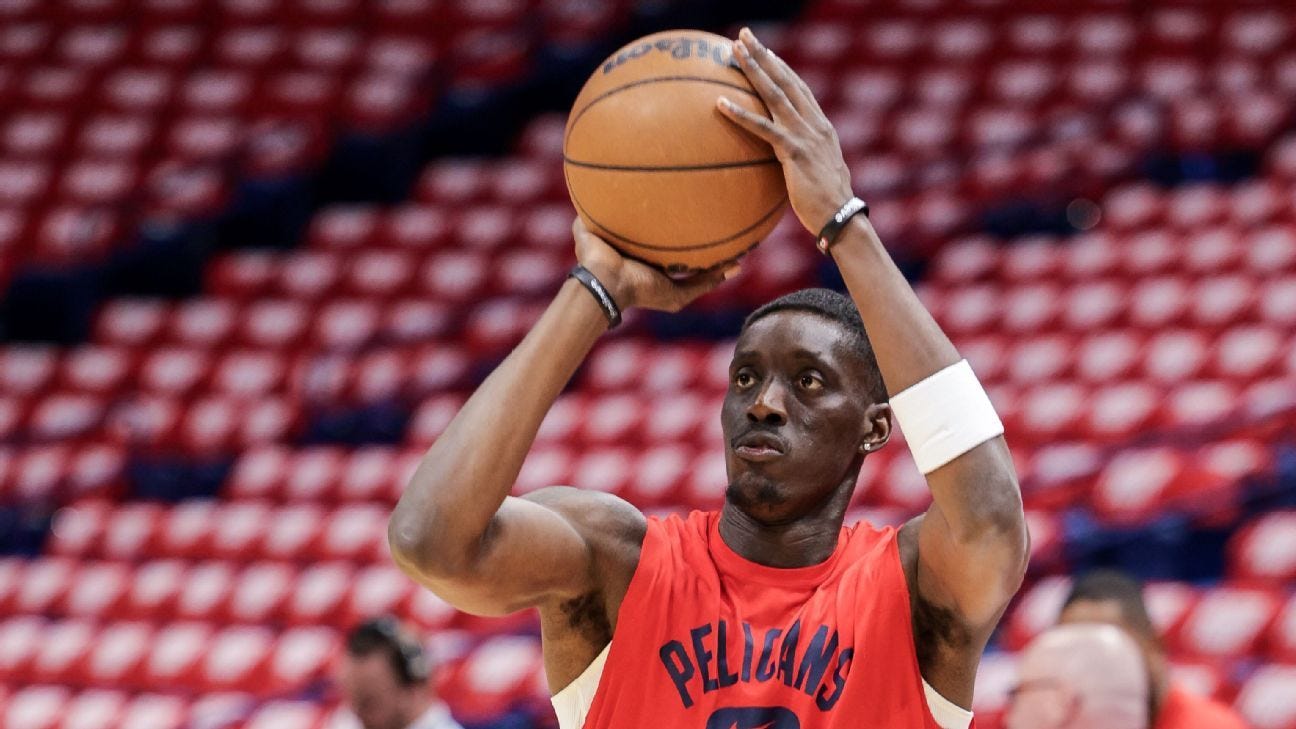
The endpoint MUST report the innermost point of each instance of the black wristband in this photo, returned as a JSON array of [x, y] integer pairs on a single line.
[[832, 229], [600, 292]]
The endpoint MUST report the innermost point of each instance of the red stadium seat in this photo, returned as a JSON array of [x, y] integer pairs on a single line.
[[97, 370], [973, 310], [1270, 249], [186, 531], [98, 591], [27, 370], [21, 638], [178, 650], [1222, 300], [1212, 250], [1107, 356], [119, 654], [319, 594], [1158, 302], [173, 371], [158, 710], [1036, 611], [36, 707], [1168, 604], [1151, 253], [1040, 359], [205, 138], [1228, 622], [221, 708], [1266, 700], [1196, 405], [346, 324], [296, 533], [1121, 410], [1091, 256], [613, 418], [674, 418], [1280, 643], [657, 475], [116, 135], [486, 227], [563, 420], [379, 274], [207, 592], [1278, 301], [44, 583], [63, 651], [261, 591], [1053, 411], [1133, 485], [413, 320], [609, 470], [493, 677], [1175, 356], [277, 324], [301, 655], [22, 182], [35, 135], [415, 227], [377, 589], [545, 465], [280, 714], [77, 530], [94, 709], [237, 660], [238, 528], [1033, 259], [1265, 550], [259, 473], [368, 475], [354, 532], [155, 590], [1245, 354], [249, 374], [310, 275], [242, 275], [344, 227], [314, 475]]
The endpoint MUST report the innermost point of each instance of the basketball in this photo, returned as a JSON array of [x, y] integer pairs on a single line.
[[652, 166]]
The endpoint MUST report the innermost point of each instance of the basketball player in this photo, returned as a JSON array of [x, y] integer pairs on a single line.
[[766, 613], [1084, 676], [384, 678], [1108, 596]]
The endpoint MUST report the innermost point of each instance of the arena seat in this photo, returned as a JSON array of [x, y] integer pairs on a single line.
[[1265, 699]]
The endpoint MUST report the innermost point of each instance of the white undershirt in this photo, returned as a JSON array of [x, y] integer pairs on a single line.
[[572, 704]]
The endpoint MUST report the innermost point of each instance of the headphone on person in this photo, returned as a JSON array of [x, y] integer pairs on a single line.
[[411, 664]]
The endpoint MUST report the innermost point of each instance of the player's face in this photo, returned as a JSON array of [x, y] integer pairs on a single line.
[[373, 692], [794, 416]]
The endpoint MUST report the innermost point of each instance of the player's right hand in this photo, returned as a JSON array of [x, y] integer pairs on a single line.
[[635, 284]]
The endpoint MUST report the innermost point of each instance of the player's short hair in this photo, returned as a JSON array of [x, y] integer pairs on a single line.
[[839, 308], [1108, 585]]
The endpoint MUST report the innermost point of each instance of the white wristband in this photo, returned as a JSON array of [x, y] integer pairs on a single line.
[[945, 416]]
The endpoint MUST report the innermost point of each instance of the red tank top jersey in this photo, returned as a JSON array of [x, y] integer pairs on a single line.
[[708, 639]]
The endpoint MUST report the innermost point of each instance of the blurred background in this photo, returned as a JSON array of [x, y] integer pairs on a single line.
[[255, 253]]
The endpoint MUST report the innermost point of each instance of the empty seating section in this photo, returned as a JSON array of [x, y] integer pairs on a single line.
[[1144, 367]]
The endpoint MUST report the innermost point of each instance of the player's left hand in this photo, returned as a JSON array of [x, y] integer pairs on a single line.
[[803, 139]]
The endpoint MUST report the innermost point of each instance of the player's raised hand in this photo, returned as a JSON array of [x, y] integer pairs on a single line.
[[635, 284], [805, 142]]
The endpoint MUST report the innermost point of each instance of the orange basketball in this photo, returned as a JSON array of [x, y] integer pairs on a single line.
[[653, 167]]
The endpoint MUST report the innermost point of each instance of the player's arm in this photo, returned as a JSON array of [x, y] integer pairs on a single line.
[[972, 543], [456, 529]]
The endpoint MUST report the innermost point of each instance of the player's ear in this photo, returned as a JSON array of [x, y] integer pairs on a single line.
[[875, 430]]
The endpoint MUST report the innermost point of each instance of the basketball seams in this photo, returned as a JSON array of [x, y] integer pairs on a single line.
[[671, 168], [697, 247], [571, 124]]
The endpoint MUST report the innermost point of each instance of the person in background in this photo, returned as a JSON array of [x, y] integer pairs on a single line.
[[1108, 596], [1084, 676], [384, 679]]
